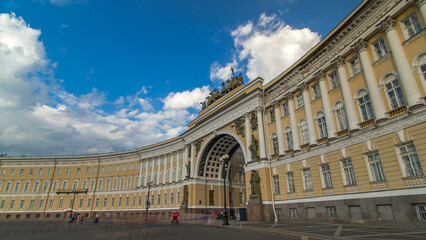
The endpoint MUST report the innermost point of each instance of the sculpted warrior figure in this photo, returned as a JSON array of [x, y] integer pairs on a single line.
[[255, 182]]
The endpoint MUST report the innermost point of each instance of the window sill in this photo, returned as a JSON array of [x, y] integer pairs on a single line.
[[285, 115], [328, 188], [382, 58], [297, 109], [355, 75], [316, 99], [334, 89], [415, 36]]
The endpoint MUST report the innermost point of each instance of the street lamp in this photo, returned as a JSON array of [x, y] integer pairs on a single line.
[[74, 192], [224, 160], [147, 201]]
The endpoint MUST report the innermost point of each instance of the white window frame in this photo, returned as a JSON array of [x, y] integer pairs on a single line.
[[304, 131], [276, 182], [299, 101], [394, 94], [374, 167], [340, 113], [414, 164], [365, 105], [321, 125], [379, 48], [274, 141], [290, 182], [414, 28], [326, 179], [348, 172], [315, 91], [307, 179], [354, 66], [288, 138], [271, 116], [333, 80], [285, 109]]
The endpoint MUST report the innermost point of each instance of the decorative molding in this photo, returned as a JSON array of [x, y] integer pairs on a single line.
[[387, 24], [360, 46]]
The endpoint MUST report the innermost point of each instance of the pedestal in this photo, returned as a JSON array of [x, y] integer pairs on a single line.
[[255, 208]]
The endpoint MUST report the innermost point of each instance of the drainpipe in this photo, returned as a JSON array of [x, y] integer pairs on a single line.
[[268, 156], [50, 189]]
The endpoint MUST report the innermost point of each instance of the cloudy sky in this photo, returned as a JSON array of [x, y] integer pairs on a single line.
[[94, 76]]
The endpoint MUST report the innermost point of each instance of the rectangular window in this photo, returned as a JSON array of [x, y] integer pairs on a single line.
[[326, 176], [375, 167], [115, 184], [276, 181], [109, 169], [152, 199], [348, 172], [172, 198], [380, 49], [30, 173], [21, 205], [92, 185], [290, 182], [112, 202], [67, 172], [65, 185], [178, 197], [140, 201], [55, 186], [75, 184], [80, 205], [58, 172], [77, 172], [331, 212], [131, 167], [127, 201], [32, 202], [241, 196], [36, 186], [211, 197], [95, 170], [271, 116], [122, 183], [285, 109], [293, 212], [3, 172], [3, 202], [307, 179], [41, 204], [420, 210], [105, 202], [21, 172], [158, 199], [100, 184], [316, 93], [61, 203], [165, 198], [410, 160], [89, 202], [334, 80], [412, 25], [84, 184], [12, 172], [87, 170], [354, 66], [49, 172], [7, 188], [102, 169], [51, 202], [124, 167], [45, 186], [17, 186], [129, 182], [108, 182], [117, 168], [97, 202], [299, 100], [119, 201], [279, 213], [12, 204]]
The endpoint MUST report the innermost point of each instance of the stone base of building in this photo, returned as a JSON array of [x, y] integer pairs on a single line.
[[389, 211]]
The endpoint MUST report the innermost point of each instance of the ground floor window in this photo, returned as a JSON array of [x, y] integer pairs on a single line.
[[293, 213], [420, 209], [331, 212]]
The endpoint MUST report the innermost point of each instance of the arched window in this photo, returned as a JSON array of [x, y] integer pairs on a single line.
[[304, 132], [322, 125], [422, 66], [339, 110], [365, 105], [289, 138], [274, 139], [394, 91]]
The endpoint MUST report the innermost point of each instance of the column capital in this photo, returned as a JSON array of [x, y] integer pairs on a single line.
[[303, 87], [288, 96], [416, 3], [320, 75], [276, 104], [387, 24], [259, 109], [339, 61], [246, 115], [360, 45]]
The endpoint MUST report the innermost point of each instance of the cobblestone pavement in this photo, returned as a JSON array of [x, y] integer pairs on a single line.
[[198, 229], [331, 231]]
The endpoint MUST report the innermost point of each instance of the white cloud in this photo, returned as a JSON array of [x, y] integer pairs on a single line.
[[268, 47], [38, 116], [186, 99], [218, 72]]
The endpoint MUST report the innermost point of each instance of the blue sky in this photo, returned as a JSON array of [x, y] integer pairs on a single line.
[[89, 76]]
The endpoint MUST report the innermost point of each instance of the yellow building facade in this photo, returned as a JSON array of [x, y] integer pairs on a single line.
[[338, 137]]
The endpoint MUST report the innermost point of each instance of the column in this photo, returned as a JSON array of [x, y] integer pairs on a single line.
[[185, 161], [171, 167], [346, 93], [279, 128], [411, 90], [177, 166], [331, 125], [261, 134], [421, 5], [308, 113], [146, 172], [248, 136], [294, 132], [373, 88], [140, 170], [192, 171]]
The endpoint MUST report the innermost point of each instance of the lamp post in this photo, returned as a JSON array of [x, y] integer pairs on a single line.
[[147, 201], [224, 160], [74, 192]]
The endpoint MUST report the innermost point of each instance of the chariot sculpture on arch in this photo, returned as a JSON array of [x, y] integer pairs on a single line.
[[231, 84]]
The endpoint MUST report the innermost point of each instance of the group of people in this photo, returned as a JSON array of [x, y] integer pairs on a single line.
[[77, 218]]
